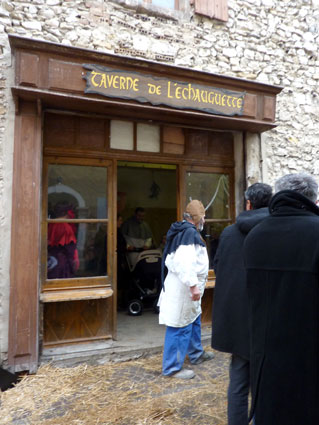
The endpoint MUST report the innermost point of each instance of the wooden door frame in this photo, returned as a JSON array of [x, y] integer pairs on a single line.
[[23, 341]]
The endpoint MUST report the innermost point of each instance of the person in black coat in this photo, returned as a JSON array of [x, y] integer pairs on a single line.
[[282, 262], [230, 328]]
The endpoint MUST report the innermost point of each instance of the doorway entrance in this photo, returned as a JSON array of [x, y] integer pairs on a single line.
[[146, 207]]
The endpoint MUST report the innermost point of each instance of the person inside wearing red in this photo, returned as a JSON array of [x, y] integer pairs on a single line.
[[63, 260]]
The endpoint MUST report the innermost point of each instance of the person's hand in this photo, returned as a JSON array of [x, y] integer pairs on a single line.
[[130, 248], [195, 293]]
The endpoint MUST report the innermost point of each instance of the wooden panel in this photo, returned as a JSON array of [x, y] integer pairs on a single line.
[[67, 321], [25, 241], [172, 148], [221, 10], [197, 143], [29, 69], [269, 108], [207, 306], [210, 144], [91, 133], [65, 76], [250, 105], [221, 144], [59, 130], [212, 8], [173, 139], [68, 130]]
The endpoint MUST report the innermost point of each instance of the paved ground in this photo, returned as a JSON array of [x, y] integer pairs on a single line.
[[126, 393]]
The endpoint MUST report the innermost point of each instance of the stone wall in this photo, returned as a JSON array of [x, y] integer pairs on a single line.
[[272, 41]]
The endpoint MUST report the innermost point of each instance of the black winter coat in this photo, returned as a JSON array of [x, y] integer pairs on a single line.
[[230, 328], [282, 262]]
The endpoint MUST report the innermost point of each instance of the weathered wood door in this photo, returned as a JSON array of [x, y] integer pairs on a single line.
[[78, 250]]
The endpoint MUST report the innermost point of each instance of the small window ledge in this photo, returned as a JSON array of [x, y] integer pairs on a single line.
[[75, 294]]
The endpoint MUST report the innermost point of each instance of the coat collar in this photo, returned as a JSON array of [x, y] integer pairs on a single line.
[[289, 202]]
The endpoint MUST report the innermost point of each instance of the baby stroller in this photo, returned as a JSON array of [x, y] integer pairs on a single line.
[[145, 281]]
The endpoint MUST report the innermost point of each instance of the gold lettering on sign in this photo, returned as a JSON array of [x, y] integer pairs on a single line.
[[100, 79], [153, 89], [159, 90]]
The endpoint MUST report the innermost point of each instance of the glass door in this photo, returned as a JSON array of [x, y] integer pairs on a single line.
[[77, 251], [214, 188]]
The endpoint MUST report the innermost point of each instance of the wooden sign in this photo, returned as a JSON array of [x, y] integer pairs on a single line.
[[162, 91]]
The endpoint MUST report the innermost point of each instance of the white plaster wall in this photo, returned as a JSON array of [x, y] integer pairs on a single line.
[[272, 41]]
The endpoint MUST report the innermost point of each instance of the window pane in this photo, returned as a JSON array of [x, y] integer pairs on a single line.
[[77, 191], [164, 3], [121, 134], [148, 138], [76, 250], [212, 190], [211, 234]]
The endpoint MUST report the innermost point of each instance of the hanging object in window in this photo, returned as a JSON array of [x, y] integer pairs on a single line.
[[155, 190]]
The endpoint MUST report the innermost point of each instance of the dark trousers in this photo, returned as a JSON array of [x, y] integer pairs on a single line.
[[238, 391]]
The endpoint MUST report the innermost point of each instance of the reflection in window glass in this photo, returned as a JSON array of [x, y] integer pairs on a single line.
[[76, 250], [211, 234], [77, 191], [212, 190]]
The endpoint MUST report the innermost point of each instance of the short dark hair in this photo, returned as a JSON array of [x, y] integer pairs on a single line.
[[139, 209], [302, 183], [259, 195]]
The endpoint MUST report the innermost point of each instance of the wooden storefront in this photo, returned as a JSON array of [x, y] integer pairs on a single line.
[[98, 149]]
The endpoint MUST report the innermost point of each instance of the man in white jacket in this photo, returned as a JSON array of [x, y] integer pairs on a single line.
[[185, 257]]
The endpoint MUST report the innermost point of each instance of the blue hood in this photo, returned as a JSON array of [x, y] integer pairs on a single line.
[[180, 233]]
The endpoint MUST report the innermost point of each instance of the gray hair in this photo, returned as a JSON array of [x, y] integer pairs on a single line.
[[259, 195], [302, 183]]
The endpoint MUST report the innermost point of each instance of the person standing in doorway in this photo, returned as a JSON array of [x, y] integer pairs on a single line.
[[185, 257], [281, 257], [137, 234], [230, 325]]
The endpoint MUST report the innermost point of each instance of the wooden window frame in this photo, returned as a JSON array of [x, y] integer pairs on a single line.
[[80, 287]]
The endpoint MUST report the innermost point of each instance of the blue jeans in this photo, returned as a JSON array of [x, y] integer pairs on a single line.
[[178, 343], [238, 391]]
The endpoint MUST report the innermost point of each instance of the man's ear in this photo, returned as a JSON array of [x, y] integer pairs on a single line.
[[248, 205]]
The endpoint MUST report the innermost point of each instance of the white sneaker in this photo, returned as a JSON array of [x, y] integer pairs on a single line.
[[183, 374]]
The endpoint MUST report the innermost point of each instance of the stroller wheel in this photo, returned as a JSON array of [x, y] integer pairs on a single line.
[[135, 308]]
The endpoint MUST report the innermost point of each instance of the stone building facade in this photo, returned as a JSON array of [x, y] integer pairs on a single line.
[[270, 41]]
